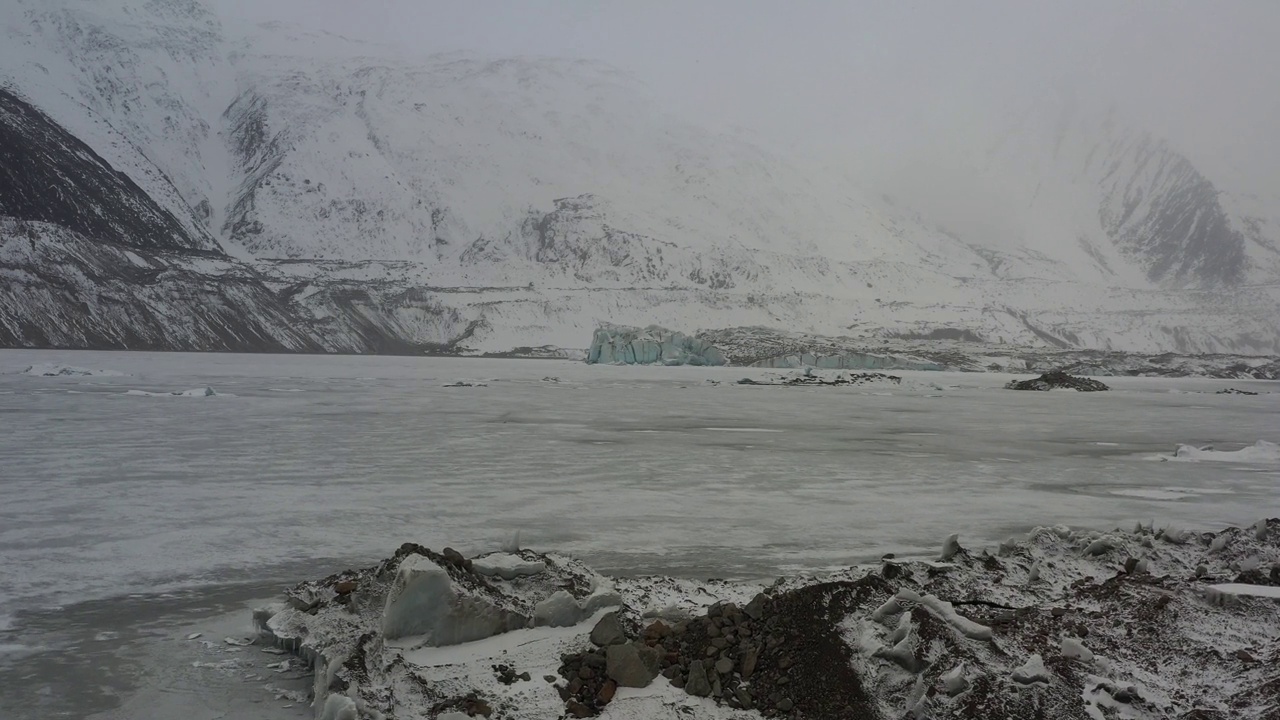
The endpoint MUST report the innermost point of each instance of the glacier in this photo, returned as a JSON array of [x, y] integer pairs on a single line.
[[613, 344]]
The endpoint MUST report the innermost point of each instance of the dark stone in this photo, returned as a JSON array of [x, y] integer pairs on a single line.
[[608, 631], [628, 668], [605, 696], [749, 659], [697, 683]]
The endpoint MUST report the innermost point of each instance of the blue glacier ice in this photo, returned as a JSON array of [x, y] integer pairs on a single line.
[[613, 344]]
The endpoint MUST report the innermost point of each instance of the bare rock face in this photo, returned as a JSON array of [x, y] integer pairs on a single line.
[[1058, 380]]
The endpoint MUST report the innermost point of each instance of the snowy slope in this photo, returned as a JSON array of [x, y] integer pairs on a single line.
[[455, 204]]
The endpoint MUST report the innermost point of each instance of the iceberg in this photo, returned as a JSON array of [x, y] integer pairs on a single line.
[[653, 345], [56, 370]]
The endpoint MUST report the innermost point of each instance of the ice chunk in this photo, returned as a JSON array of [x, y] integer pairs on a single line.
[[903, 652], [1222, 593], [339, 707], [652, 345], [1073, 648], [1032, 671], [946, 611], [507, 566], [950, 547], [953, 681], [1260, 452], [887, 610], [559, 610], [562, 610], [424, 600], [1099, 547]]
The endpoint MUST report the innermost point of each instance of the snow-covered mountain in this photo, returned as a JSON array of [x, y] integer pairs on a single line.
[[1087, 184], [172, 180]]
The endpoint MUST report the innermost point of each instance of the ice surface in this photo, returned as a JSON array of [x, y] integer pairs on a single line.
[[374, 451]]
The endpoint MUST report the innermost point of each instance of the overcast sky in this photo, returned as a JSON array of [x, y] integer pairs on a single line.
[[862, 79]]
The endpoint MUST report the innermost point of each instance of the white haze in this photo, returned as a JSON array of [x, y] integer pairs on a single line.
[[905, 96]]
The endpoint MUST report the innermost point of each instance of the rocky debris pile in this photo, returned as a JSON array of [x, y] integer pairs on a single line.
[[1235, 391], [779, 654], [810, 378], [1058, 380], [1144, 625], [616, 660]]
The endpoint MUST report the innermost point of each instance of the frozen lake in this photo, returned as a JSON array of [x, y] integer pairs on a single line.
[[304, 465]]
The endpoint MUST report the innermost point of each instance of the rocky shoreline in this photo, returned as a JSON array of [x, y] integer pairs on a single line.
[[1141, 623]]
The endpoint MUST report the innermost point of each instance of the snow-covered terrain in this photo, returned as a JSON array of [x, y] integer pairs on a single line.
[[270, 188]]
